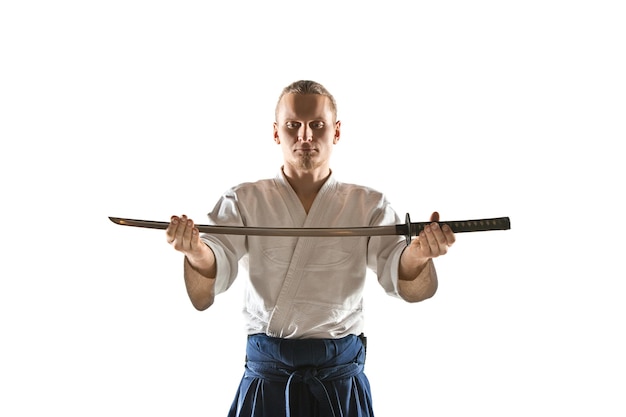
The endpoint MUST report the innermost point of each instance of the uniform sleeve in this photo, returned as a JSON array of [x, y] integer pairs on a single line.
[[228, 249], [383, 252]]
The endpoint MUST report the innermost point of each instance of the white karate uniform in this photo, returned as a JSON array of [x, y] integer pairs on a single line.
[[304, 287]]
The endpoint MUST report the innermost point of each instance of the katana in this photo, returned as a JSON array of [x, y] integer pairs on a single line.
[[407, 229]]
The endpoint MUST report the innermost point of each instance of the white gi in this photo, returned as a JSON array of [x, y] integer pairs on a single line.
[[304, 287]]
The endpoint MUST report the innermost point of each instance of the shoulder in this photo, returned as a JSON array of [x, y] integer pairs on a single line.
[[253, 185], [364, 197], [252, 188], [359, 190], [365, 202]]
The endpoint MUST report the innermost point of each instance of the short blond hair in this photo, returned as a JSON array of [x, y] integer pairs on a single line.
[[308, 87]]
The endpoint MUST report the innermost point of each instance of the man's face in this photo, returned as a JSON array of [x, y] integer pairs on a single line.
[[306, 130]]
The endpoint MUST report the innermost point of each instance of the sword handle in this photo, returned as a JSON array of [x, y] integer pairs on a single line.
[[459, 226]]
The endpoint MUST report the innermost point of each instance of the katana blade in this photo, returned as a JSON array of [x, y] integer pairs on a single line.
[[407, 229]]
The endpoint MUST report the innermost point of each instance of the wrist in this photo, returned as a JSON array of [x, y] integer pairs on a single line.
[[202, 261], [411, 267]]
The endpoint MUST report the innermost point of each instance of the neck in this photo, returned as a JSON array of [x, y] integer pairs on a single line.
[[306, 184]]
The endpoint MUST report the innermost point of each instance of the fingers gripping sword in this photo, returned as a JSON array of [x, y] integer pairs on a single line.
[[407, 229]]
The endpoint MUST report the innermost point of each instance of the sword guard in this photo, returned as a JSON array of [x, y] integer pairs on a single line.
[[407, 219]]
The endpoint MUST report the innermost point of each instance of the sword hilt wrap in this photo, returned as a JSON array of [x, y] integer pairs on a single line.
[[457, 226]]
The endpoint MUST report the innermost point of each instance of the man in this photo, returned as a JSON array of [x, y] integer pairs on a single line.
[[303, 309]]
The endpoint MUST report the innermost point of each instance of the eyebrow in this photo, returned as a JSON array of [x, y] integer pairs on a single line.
[[295, 117]]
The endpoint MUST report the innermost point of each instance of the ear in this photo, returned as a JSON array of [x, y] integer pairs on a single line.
[[276, 138], [337, 132]]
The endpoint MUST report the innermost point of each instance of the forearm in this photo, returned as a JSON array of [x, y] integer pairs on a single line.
[[200, 280], [416, 281]]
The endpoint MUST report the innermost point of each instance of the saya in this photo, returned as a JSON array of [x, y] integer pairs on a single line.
[[406, 229]]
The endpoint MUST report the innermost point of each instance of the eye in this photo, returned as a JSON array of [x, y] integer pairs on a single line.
[[317, 125], [292, 125]]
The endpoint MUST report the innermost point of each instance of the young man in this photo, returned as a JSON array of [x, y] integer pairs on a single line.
[[303, 309]]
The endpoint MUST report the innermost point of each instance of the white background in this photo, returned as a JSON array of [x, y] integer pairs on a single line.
[[145, 109]]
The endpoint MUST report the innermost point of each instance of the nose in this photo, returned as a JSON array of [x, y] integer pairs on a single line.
[[305, 134]]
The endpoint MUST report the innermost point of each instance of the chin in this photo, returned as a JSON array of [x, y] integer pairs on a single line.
[[308, 164]]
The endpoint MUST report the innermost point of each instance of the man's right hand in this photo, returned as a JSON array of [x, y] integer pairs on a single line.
[[183, 235]]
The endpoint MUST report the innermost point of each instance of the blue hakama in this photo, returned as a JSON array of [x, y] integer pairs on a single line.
[[303, 378]]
